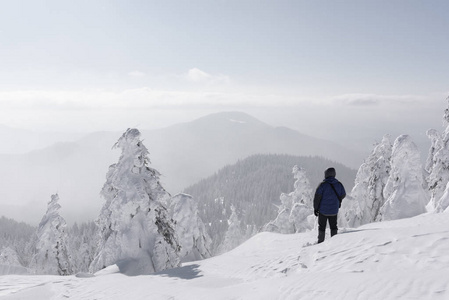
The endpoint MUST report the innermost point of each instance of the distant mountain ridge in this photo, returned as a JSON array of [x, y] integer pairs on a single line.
[[23, 141], [184, 154], [220, 139]]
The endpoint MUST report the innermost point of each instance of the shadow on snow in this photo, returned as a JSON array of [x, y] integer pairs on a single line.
[[186, 272]]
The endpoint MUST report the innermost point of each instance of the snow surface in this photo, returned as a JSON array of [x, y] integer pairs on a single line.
[[401, 259]]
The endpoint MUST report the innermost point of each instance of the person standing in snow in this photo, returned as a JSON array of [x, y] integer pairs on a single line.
[[327, 201]]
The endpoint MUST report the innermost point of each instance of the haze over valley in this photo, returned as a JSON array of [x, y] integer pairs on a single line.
[[184, 154]]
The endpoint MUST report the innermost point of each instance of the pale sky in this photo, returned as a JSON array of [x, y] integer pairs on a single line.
[[344, 70]]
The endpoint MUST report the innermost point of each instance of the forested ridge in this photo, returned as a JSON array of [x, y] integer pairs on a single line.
[[17, 236], [253, 186]]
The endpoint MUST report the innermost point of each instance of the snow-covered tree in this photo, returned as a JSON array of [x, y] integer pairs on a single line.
[[367, 198], [251, 230], [303, 193], [301, 214], [234, 235], [10, 263], [296, 207], [133, 224], [20, 237], [9, 257], [443, 203], [190, 229], [51, 254], [282, 223], [404, 190], [82, 242], [302, 217], [351, 207], [436, 143], [437, 164]]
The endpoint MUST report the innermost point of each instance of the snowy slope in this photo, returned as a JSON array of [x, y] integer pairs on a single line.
[[403, 259]]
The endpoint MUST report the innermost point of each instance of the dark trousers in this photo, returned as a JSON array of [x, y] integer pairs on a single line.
[[322, 221]]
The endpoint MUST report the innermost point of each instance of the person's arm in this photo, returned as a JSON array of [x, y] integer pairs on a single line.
[[343, 194], [317, 200]]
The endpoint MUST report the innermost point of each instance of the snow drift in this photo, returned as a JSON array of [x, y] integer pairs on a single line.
[[401, 259]]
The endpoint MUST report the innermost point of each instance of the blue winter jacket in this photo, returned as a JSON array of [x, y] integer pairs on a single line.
[[326, 201]]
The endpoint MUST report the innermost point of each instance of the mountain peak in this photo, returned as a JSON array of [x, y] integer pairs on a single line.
[[229, 119]]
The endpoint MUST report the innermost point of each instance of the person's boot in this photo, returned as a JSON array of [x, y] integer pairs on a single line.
[[334, 232], [321, 235]]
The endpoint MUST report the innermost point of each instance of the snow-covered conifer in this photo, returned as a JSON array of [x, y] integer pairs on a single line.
[[437, 164], [10, 262], [301, 214], [351, 207], [302, 217], [9, 257], [51, 254], [251, 230], [133, 223], [190, 229], [367, 195], [404, 190], [295, 208], [436, 143], [83, 245], [234, 235], [443, 203], [282, 223], [303, 191]]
